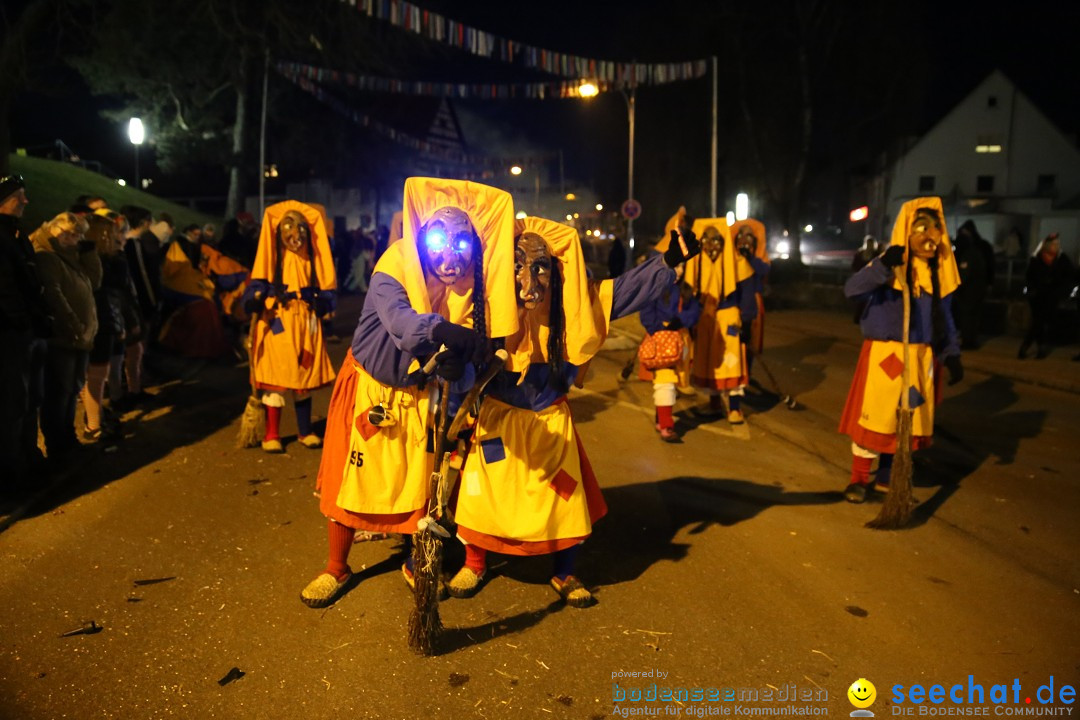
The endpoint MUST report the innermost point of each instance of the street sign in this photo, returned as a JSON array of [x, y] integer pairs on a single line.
[[631, 209]]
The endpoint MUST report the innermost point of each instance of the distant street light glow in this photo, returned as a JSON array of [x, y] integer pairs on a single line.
[[571, 196], [742, 206], [588, 90], [121, 182], [809, 228], [136, 131], [599, 207], [515, 170], [730, 217], [859, 213], [520, 215], [569, 217]]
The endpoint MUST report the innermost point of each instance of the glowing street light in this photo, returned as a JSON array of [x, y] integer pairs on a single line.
[[742, 206], [571, 196], [859, 213], [515, 170], [809, 228], [730, 217], [599, 207], [588, 89], [137, 135]]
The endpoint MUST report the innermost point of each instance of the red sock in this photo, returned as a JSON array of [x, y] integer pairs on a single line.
[[860, 469], [341, 537], [273, 422], [475, 559], [663, 416]]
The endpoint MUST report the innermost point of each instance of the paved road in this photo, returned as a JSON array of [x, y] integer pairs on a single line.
[[729, 560]]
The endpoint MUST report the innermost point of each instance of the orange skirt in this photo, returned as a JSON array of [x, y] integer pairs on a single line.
[[335, 454]]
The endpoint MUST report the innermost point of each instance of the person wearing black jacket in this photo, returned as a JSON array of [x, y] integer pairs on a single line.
[[1049, 274], [24, 325]]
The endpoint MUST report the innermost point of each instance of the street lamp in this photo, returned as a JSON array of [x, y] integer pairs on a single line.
[[742, 206], [515, 170], [136, 134]]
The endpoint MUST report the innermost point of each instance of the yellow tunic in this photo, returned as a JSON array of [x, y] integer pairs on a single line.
[[289, 351]]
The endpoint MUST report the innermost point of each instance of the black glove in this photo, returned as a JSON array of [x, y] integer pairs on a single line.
[[309, 295], [675, 324], [465, 343], [674, 255], [323, 306], [450, 367], [893, 257], [955, 368], [253, 304], [745, 251]]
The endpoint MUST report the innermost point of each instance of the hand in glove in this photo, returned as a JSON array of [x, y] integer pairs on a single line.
[[675, 324], [449, 366], [309, 295], [467, 344], [323, 306], [674, 254], [893, 257], [745, 252], [955, 368], [254, 304]]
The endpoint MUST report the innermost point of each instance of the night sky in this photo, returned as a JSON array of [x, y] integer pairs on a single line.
[[959, 42]]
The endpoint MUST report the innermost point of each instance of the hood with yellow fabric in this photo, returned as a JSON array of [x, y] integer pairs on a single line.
[[948, 272], [703, 273], [325, 218], [266, 256], [672, 224], [491, 212], [758, 228], [585, 312]]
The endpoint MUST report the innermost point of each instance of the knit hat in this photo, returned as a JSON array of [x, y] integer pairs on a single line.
[[9, 185]]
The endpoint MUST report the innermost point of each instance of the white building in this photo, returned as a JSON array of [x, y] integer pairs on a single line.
[[997, 160]]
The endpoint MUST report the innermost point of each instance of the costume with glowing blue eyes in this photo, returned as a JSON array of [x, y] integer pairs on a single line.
[[448, 243]]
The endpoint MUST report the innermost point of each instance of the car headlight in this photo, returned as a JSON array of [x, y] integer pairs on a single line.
[[783, 247]]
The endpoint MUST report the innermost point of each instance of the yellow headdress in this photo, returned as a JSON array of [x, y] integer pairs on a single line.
[[586, 321], [326, 219], [491, 212], [718, 276], [758, 228], [265, 257], [672, 224], [948, 272]]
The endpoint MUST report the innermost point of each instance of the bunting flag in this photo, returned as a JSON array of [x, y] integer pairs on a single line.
[[433, 26], [436, 150], [460, 91]]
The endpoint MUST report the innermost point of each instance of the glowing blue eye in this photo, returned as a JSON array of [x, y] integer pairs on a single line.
[[435, 240]]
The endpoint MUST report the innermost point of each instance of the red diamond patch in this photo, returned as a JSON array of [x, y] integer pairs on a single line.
[[892, 366], [563, 485]]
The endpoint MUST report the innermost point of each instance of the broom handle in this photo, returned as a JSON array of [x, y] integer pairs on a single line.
[[901, 277], [251, 350]]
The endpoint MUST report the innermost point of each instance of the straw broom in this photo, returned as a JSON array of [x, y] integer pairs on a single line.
[[253, 422], [896, 510], [425, 625]]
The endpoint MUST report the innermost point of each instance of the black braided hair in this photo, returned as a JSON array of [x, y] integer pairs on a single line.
[[479, 316], [556, 330]]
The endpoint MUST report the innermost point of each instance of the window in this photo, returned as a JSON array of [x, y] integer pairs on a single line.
[[984, 184], [988, 143], [1045, 185], [926, 183], [991, 101]]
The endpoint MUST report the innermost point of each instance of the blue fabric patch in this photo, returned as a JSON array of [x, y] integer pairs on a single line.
[[493, 450], [276, 327], [733, 330], [915, 398]]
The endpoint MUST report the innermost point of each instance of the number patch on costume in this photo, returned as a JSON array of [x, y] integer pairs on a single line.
[[356, 458]]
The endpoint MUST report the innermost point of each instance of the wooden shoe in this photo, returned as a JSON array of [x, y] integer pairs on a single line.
[[323, 590], [855, 493], [465, 584], [735, 417], [311, 441]]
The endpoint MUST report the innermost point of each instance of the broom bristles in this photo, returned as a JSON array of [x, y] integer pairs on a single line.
[[425, 625], [896, 510], [252, 424]]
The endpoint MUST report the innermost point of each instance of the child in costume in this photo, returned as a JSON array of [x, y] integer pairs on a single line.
[[193, 328], [921, 249], [749, 238], [292, 286], [725, 288], [527, 487], [448, 282], [677, 309]]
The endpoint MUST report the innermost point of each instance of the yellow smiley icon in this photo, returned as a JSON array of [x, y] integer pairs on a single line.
[[862, 693]]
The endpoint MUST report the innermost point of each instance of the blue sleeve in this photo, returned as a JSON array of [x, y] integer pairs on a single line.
[[867, 280], [653, 317], [409, 330], [636, 288], [747, 302], [761, 268], [690, 313], [256, 286]]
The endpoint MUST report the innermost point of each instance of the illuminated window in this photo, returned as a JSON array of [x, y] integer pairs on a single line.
[[984, 184], [926, 183], [988, 144]]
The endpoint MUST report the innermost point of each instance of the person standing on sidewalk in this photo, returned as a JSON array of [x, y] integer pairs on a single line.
[[24, 324], [1049, 273], [921, 249]]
